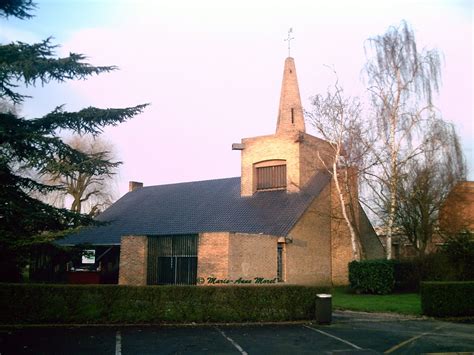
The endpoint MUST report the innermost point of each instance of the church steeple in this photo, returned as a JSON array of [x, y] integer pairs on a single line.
[[289, 159], [290, 112]]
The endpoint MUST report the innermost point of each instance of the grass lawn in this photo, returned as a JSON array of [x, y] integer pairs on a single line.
[[402, 303]]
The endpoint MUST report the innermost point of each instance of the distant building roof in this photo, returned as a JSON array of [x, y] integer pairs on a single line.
[[200, 206]]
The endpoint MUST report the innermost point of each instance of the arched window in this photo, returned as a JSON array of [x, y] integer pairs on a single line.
[[270, 174]]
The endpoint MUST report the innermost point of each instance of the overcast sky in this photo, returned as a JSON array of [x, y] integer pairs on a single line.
[[212, 70]]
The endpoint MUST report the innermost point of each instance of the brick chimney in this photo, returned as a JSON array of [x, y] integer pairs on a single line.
[[134, 185]]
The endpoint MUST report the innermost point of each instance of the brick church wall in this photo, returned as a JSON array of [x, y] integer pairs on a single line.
[[258, 149], [133, 260], [313, 152], [302, 152], [340, 234], [225, 255], [308, 257], [252, 255], [213, 255]]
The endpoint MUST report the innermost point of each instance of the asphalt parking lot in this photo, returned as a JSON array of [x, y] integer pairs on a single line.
[[350, 332]]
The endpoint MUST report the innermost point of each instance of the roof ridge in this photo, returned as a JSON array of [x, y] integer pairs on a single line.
[[188, 182]]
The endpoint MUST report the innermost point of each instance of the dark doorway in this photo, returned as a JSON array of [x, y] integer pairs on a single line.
[[172, 260]]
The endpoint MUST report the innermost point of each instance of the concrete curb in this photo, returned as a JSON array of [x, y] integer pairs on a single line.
[[387, 315], [142, 325], [338, 317]]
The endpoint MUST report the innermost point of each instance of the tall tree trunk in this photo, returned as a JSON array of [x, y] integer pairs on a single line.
[[354, 212], [342, 202], [393, 167], [392, 191]]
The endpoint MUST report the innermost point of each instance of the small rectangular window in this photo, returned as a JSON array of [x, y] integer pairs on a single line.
[[271, 177], [88, 256], [280, 262], [292, 116]]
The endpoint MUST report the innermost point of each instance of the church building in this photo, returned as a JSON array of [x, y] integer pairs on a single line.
[[279, 222]]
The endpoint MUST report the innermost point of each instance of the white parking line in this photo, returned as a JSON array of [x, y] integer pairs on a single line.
[[118, 343], [335, 337], [237, 346]]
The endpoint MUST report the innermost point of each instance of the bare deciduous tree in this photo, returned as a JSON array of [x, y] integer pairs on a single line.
[[90, 193], [6, 106], [426, 182], [402, 82], [338, 120]]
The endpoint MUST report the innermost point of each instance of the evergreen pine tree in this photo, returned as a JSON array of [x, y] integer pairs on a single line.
[[34, 144]]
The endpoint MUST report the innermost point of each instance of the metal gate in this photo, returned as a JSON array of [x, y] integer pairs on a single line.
[[172, 260]]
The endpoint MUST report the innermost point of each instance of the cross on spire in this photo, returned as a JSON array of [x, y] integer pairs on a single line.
[[288, 39]]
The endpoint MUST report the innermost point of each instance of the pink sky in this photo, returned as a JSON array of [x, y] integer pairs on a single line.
[[212, 70]]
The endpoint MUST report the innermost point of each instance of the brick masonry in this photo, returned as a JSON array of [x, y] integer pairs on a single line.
[[213, 255], [308, 257], [252, 255], [133, 260], [226, 255], [265, 148], [315, 155], [322, 230], [457, 213], [304, 155], [290, 112]]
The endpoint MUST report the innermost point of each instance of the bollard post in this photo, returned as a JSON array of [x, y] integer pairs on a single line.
[[323, 308]]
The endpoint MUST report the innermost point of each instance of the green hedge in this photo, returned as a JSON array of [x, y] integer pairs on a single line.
[[372, 276], [67, 304], [407, 274], [447, 299]]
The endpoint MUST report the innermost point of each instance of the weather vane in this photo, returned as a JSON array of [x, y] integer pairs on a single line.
[[289, 38]]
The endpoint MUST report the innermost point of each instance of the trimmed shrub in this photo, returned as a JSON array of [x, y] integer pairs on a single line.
[[455, 262], [407, 275], [447, 299], [459, 250], [437, 267], [372, 276], [432, 267], [101, 304]]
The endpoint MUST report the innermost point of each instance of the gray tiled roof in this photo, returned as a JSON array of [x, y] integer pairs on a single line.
[[201, 206]]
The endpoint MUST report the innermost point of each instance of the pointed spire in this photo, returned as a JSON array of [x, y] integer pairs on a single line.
[[290, 113]]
